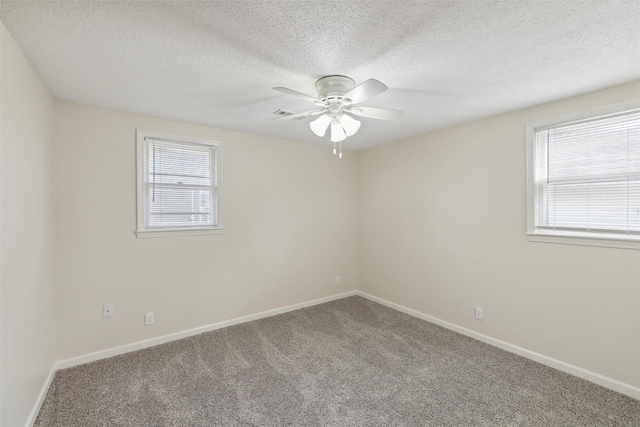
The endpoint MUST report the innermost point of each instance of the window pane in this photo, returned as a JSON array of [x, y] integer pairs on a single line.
[[170, 163], [594, 206], [604, 150], [172, 207]]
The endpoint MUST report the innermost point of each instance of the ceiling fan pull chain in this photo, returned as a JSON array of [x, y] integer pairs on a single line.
[[334, 147], [340, 156]]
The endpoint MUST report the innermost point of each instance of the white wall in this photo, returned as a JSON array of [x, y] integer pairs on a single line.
[[289, 218], [28, 314], [441, 229]]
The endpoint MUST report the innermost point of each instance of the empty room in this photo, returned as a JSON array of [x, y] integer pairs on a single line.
[[329, 213]]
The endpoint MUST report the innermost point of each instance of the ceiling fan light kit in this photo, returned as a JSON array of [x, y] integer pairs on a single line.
[[336, 95]]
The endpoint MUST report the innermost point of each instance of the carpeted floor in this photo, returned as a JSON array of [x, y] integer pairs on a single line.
[[350, 362]]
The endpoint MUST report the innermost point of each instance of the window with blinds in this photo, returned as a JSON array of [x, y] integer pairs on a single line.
[[586, 178], [178, 185]]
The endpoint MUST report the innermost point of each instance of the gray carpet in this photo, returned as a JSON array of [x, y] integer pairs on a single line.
[[350, 362]]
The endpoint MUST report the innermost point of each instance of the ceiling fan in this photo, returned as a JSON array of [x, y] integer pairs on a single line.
[[336, 98]]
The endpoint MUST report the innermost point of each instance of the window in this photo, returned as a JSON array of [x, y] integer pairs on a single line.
[[584, 178], [179, 185]]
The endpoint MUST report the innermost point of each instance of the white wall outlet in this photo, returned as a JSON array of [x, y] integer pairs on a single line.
[[337, 281], [478, 313], [107, 310], [148, 319]]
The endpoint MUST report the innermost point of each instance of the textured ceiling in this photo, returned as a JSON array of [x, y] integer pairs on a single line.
[[214, 63]]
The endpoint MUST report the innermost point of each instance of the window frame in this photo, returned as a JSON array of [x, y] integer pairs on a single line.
[[142, 230], [566, 236]]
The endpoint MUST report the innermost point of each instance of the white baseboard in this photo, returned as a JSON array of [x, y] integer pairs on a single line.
[[127, 348], [615, 385], [43, 393], [610, 383]]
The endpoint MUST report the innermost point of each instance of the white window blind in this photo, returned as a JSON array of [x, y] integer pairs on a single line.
[[587, 176], [179, 185]]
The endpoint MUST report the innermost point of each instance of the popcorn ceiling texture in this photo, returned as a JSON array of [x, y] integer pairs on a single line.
[[214, 63], [350, 362]]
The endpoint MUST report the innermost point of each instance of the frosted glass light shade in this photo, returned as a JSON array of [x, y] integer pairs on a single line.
[[319, 125], [337, 131], [349, 124]]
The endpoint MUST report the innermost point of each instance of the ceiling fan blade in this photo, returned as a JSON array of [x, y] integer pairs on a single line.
[[292, 92], [305, 114], [365, 90], [376, 113]]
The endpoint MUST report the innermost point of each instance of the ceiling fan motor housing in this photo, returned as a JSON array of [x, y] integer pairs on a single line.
[[334, 86]]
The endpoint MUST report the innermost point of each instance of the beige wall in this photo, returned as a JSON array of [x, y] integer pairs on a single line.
[[441, 229], [290, 228], [27, 234]]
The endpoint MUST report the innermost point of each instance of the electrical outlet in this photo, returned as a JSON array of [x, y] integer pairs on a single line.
[[107, 310], [148, 319], [478, 313], [337, 281]]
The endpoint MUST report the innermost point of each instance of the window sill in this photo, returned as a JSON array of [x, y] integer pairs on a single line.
[[585, 239], [167, 232]]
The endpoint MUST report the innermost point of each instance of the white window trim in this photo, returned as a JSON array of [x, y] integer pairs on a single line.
[[568, 237], [144, 232]]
